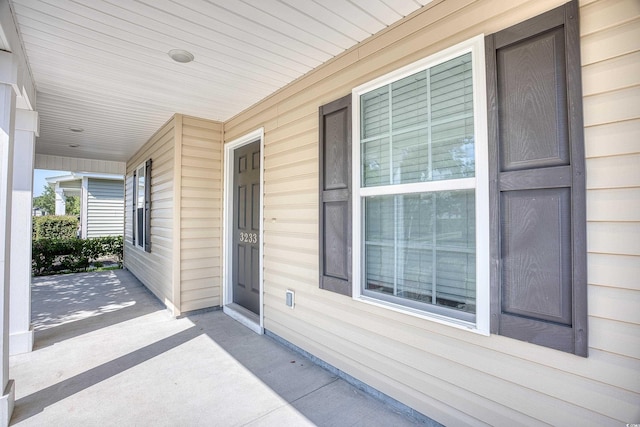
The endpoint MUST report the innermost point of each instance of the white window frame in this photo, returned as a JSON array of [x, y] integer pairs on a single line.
[[139, 242], [480, 182]]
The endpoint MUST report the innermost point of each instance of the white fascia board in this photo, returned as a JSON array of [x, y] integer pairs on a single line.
[[61, 178], [78, 176], [112, 176]]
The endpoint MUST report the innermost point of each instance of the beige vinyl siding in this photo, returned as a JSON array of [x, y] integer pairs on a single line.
[[155, 269], [128, 212], [454, 376], [105, 207], [611, 87], [200, 214]]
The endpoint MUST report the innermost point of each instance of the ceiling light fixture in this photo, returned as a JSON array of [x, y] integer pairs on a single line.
[[181, 55], [77, 130]]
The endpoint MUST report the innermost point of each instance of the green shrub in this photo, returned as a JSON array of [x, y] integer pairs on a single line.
[[78, 258], [45, 254], [55, 227], [114, 246], [72, 255]]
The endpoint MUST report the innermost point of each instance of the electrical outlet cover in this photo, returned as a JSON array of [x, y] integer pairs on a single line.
[[290, 297]]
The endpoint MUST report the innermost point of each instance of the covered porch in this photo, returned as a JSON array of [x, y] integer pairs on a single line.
[[107, 352], [508, 296]]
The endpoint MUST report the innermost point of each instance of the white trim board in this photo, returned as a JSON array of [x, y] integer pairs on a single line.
[[227, 296]]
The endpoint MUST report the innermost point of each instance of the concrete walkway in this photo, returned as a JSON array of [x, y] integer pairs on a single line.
[[107, 353]]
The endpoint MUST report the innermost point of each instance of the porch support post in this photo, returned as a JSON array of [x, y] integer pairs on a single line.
[[9, 88], [20, 331], [84, 207], [61, 201]]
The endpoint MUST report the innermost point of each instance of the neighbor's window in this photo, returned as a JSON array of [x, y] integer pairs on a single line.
[[421, 187]]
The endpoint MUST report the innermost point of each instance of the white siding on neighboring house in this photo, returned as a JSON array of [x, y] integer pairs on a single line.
[[154, 269], [105, 208], [454, 376]]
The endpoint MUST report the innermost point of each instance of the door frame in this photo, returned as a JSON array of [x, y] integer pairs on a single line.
[[227, 238]]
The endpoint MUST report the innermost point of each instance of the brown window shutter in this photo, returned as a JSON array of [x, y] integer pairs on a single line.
[[133, 207], [335, 196], [537, 188], [147, 206]]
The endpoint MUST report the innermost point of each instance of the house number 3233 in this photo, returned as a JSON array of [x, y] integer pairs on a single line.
[[249, 237]]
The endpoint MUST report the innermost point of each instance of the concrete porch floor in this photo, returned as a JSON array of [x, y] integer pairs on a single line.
[[107, 353]]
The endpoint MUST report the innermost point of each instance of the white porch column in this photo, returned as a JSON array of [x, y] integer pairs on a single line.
[[8, 89], [20, 332], [61, 201], [84, 207]]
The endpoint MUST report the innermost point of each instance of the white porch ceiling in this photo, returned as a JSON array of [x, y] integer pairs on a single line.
[[102, 65]]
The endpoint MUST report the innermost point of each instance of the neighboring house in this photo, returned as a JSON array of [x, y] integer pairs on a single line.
[[443, 260], [101, 201]]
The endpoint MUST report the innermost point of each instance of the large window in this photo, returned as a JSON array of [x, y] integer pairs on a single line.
[[420, 186]]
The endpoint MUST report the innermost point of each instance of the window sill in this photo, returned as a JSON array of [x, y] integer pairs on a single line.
[[138, 248], [443, 320]]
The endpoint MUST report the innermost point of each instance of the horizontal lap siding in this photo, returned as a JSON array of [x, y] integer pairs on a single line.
[[105, 208], [611, 85], [128, 213], [154, 269], [201, 214], [454, 376]]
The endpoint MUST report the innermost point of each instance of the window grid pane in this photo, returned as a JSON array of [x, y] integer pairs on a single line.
[[421, 247], [420, 128]]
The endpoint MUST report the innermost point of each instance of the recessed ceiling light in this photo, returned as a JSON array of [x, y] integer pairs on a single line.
[[74, 145], [181, 55], [77, 130]]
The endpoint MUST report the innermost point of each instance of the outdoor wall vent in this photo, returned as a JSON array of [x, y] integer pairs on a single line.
[[290, 299]]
